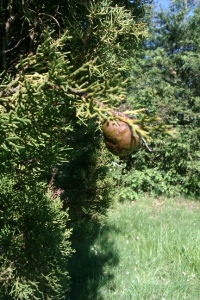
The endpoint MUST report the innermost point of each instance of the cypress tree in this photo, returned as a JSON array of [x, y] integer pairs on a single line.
[[64, 67]]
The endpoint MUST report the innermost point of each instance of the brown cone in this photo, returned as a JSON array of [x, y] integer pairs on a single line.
[[119, 138]]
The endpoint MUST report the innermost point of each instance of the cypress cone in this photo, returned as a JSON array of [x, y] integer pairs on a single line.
[[119, 138]]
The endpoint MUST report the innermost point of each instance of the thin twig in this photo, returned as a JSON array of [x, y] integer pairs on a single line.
[[11, 19], [45, 14]]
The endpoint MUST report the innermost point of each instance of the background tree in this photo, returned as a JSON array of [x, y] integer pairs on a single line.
[[165, 78]]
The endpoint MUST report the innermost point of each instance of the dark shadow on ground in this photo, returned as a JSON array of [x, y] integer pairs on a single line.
[[95, 249]]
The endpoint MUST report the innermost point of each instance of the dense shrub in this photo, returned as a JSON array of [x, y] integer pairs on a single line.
[[34, 243]]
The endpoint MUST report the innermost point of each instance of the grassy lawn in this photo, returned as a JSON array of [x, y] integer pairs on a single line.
[[149, 249]]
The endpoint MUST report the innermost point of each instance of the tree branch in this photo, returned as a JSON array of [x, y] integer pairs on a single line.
[[11, 19]]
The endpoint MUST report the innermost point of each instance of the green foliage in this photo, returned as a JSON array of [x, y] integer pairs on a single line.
[[98, 28], [86, 178], [38, 109], [34, 241], [165, 80]]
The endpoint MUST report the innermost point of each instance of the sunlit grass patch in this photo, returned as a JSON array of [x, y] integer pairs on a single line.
[[149, 249]]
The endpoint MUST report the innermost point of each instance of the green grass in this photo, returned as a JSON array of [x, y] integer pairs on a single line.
[[149, 249]]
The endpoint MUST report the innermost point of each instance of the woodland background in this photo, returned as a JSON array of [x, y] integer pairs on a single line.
[[59, 60]]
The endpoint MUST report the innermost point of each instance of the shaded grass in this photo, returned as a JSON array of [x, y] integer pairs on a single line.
[[149, 249], [86, 267]]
